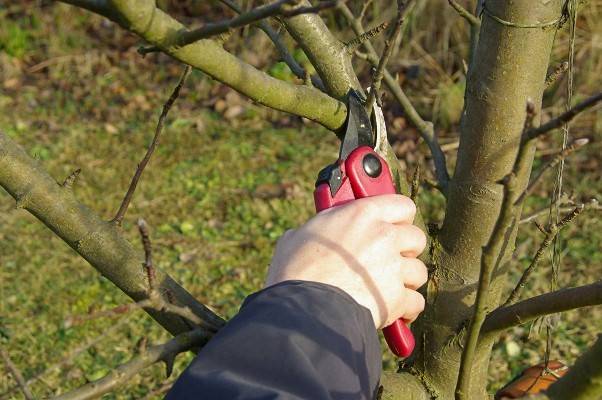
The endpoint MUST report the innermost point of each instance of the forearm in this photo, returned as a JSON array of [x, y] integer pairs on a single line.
[[292, 340]]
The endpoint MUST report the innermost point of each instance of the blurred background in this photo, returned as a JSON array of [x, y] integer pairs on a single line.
[[230, 176]]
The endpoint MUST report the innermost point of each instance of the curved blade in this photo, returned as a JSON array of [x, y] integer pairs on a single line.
[[359, 130]]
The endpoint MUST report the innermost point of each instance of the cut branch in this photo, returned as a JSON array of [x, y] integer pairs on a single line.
[[464, 13], [545, 304], [16, 373], [99, 242], [563, 118], [550, 233], [149, 152], [122, 374]]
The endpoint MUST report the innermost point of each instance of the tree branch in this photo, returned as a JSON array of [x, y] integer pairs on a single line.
[[149, 152], [99, 242], [592, 206], [464, 13], [549, 303], [426, 130], [165, 352], [384, 58], [285, 55], [14, 371], [277, 8], [550, 234], [563, 118], [558, 157], [161, 30], [583, 381]]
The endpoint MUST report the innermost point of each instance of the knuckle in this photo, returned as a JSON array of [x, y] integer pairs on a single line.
[[409, 205]]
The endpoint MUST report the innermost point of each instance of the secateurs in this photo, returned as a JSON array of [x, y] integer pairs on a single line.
[[360, 172]]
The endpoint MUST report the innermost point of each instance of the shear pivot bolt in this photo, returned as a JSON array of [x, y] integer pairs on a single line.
[[372, 165]]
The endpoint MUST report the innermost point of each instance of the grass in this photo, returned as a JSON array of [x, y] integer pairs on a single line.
[[217, 194]]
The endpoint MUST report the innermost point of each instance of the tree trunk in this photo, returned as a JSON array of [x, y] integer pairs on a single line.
[[509, 69]]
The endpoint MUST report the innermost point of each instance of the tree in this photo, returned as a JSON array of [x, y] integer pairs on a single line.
[[468, 255]]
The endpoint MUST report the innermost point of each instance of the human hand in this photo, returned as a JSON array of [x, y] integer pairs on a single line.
[[367, 248]]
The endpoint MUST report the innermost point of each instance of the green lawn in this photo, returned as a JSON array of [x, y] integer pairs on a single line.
[[217, 194]]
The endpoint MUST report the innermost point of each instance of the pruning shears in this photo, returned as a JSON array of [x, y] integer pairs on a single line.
[[361, 172]]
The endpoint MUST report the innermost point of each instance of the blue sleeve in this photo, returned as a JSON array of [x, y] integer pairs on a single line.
[[294, 340]]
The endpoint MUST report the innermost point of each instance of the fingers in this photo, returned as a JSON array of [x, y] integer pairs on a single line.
[[409, 240], [414, 305], [415, 273], [391, 208]]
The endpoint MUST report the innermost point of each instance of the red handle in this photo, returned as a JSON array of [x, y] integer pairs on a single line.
[[356, 184]]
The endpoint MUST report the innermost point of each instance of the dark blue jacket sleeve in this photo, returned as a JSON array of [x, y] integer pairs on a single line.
[[294, 340]]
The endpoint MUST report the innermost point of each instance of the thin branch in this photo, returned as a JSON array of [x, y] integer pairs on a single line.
[[281, 8], [121, 375], [425, 129], [285, 55], [563, 118], [464, 13], [549, 303], [353, 44], [149, 152], [550, 234], [384, 58], [16, 373], [595, 206], [100, 243], [558, 157], [415, 183], [70, 180], [557, 73]]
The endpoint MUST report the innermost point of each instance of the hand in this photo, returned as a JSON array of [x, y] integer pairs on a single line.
[[367, 248]]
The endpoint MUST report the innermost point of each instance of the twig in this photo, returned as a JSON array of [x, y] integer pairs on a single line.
[[122, 374], [557, 73], [285, 55], [16, 373], [563, 118], [382, 63], [561, 155], [148, 254], [158, 391], [149, 152], [282, 8], [550, 234], [353, 44], [549, 303], [425, 129], [546, 211], [464, 13], [365, 7]]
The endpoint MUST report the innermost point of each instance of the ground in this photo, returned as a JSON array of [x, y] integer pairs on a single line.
[[227, 179]]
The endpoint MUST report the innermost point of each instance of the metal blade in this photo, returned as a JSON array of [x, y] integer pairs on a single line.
[[359, 130]]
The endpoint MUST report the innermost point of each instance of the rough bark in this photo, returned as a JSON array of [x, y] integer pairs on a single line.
[[509, 68], [99, 242]]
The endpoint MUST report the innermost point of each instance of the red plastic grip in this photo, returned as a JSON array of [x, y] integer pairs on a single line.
[[356, 184]]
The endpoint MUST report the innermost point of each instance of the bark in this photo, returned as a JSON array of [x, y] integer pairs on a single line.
[[99, 242], [509, 68]]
